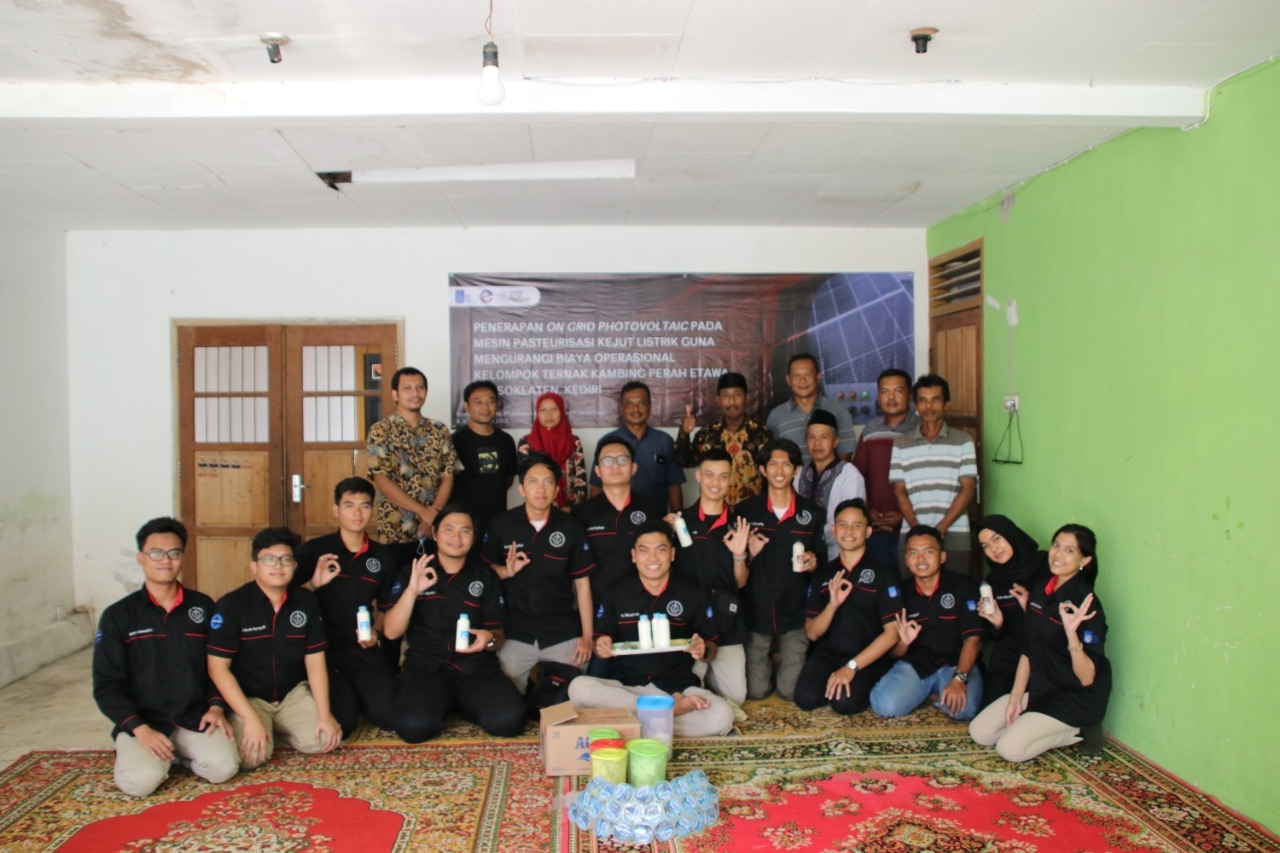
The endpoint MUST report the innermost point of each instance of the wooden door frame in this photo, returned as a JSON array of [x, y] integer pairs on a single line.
[[183, 333]]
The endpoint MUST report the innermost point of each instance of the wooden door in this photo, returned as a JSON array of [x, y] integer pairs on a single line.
[[258, 404], [231, 434], [334, 385]]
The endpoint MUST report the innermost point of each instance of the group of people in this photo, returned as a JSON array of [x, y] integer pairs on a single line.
[[830, 567]]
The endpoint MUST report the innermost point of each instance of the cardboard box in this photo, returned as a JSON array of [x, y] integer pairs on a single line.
[[564, 735]]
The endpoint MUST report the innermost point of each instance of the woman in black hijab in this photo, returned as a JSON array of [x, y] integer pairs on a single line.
[[1014, 559]]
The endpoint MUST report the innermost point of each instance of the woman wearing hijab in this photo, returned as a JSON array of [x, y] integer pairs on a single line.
[[1014, 559], [1064, 677], [552, 435]]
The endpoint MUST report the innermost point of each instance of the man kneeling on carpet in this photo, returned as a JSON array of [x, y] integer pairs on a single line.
[[149, 673], [266, 656], [438, 672], [851, 619], [939, 637], [652, 590]]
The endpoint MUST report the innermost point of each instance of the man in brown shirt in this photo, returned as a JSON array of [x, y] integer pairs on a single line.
[[735, 432], [411, 461]]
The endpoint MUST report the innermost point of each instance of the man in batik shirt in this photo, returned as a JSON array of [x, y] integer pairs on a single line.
[[735, 432]]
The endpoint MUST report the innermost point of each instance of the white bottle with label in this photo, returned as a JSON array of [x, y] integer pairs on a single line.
[[682, 532], [661, 631], [645, 631], [797, 557], [364, 625], [462, 634], [988, 601]]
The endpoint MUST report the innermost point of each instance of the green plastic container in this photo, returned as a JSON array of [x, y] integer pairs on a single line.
[[603, 734], [646, 762], [609, 764]]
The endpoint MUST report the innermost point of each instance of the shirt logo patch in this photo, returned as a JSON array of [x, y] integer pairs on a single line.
[[476, 588], [710, 612], [804, 517], [196, 614], [1089, 637], [948, 601], [556, 540], [867, 576], [216, 622], [97, 638], [397, 588], [297, 618], [638, 517], [600, 612], [674, 608], [374, 565], [892, 592], [973, 606]]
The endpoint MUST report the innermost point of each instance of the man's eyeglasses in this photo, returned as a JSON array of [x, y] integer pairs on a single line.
[[620, 460], [271, 560], [157, 555]]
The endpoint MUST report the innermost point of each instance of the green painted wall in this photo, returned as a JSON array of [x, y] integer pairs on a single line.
[[1147, 279]]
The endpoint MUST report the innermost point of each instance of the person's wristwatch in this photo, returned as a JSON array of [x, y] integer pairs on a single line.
[[962, 677], [853, 664]]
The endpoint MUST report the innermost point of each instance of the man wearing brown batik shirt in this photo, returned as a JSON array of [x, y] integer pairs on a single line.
[[411, 461], [735, 432]]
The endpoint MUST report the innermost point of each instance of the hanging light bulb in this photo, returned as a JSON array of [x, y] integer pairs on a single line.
[[491, 89]]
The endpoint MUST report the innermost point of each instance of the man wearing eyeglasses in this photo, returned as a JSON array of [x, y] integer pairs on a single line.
[[150, 677], [266, 656], [611, 519]]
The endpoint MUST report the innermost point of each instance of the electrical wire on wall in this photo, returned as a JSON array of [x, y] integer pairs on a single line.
[[1013, 435]]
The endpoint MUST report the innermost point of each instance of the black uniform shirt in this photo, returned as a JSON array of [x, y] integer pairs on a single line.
[[481, 483], [775, 595], [1054, 688], [688, 613], [947, 618], [364, 578], [540, 598], [872, 603], [475, 590], [1010, 638], [611, 534], [708, 563], [267, 648], [149, 665]]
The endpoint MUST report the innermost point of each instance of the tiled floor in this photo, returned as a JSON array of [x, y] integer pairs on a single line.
[[52, 709]]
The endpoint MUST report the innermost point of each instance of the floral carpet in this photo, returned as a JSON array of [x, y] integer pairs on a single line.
[[789, 781]]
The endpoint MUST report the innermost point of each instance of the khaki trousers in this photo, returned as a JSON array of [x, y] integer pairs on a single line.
[[138, 772], [294, 718]]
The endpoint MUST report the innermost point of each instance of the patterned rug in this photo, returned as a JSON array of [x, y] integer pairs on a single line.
[[789, 781]]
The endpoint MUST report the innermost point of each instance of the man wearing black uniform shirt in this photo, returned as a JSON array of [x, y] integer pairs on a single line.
[[150, 677], [266, 656], [486, 454], [778, 587], [437, 673], [652, 589], [611, 519], [939, 637], [850, 620], [716, 561], [542, 557], [348, 570]]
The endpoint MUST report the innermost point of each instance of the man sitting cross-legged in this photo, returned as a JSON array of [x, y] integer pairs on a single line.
[[651, 590]]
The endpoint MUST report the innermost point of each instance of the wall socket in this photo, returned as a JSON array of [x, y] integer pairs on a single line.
[[1012, 403]]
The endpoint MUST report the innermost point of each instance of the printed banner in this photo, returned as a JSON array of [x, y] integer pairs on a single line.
[[585, 336]]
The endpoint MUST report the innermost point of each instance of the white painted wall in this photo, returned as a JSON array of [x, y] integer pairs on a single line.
[[35, 507], [126, 288]]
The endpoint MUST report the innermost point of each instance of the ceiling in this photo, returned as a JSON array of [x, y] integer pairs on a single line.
[[156, 114]]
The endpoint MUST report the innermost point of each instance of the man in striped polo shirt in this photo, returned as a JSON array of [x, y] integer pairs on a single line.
[[934, 472]]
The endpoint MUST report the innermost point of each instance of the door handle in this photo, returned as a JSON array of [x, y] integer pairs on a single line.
[[298, 486]]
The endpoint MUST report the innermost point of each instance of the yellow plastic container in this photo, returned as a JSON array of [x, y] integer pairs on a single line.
[[646, 763], [603, 734], [610, 764]]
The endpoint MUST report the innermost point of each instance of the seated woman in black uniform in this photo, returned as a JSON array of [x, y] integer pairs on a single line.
[[1064, 678], [1014, 559]]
